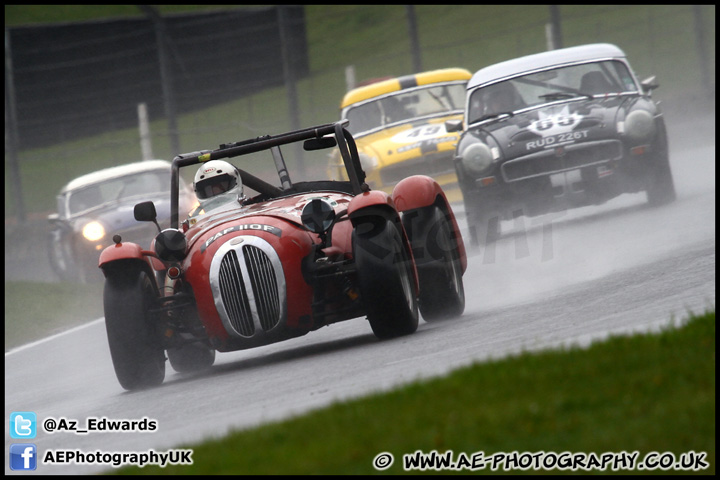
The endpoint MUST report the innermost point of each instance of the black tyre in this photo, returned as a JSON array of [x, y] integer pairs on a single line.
[[137, 355], [191, 357], [483, 226], [386, 279], [442, 294], [60, 256], [661, 186]]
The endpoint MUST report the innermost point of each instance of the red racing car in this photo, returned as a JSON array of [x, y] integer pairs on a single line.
[[245, 270]]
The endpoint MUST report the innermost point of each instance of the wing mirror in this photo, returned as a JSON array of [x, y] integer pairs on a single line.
[[453, 125], [649, 84], [54, 218], [145, 212]]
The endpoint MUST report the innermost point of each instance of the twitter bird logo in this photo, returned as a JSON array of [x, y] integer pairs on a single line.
[[23, 425]]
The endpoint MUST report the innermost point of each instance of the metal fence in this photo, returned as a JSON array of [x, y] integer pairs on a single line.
[[76, 80]]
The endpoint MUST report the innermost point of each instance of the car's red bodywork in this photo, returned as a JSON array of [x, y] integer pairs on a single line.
[[292, 246], [256, 274]]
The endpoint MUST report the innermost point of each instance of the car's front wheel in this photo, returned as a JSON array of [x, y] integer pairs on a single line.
[[483, 224], [137, 355], [386, 278], [661, 186], [60, 256]]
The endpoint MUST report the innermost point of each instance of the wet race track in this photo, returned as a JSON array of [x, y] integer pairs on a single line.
[[565, 278]]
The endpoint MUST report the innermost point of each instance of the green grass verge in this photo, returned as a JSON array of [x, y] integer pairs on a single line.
[[36, 310], [642, 393]]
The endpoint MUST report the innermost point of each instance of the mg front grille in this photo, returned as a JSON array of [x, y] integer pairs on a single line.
[[248, 284], [561, 159]]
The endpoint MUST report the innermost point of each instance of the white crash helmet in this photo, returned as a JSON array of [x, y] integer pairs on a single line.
[[217, 178]]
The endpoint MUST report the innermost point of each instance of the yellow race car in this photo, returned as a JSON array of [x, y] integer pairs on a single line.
[[399, 127]]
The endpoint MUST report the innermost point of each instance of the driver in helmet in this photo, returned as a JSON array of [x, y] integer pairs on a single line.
[[217, 183]]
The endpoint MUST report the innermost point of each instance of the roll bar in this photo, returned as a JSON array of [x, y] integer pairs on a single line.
[[343, 139]]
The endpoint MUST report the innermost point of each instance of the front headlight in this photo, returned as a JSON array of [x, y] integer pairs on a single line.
[[171, 245], [640, 125], [93, 231], [477, 157]]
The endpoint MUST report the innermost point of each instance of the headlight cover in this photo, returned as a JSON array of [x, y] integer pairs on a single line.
[[171, 245], [640, 125], [477, 157], [318, 215], [93, 231]]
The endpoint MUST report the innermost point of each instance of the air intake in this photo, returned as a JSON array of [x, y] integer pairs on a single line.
[[248, 285]]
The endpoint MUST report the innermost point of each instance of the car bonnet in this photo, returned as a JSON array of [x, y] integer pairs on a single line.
[[555, 125], [409, 140], [287, 208]]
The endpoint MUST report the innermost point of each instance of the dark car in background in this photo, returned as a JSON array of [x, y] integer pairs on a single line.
[[557, 130], [94, 207]]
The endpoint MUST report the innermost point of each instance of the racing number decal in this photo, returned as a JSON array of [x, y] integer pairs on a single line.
[[556, 128], [549, 122], [251, 226], [429, 131], [420, 133]]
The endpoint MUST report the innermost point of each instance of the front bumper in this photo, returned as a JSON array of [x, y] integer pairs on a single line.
[[559, 178]]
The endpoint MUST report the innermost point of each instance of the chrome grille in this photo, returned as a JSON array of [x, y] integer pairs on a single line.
[[248, 285], [573, 156], [234, 295], [264, 286]]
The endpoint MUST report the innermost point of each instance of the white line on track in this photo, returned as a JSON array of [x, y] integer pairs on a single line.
[[52, 337]]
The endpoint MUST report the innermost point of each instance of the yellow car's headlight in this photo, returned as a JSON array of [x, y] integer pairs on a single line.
[[368, 162], [93, 231]]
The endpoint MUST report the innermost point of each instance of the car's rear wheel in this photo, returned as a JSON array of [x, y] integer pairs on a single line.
[[191, 357], [442, 294], [137, 355], [386, 279]]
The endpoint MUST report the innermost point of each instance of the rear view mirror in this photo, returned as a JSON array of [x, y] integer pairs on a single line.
[[319, 143]]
